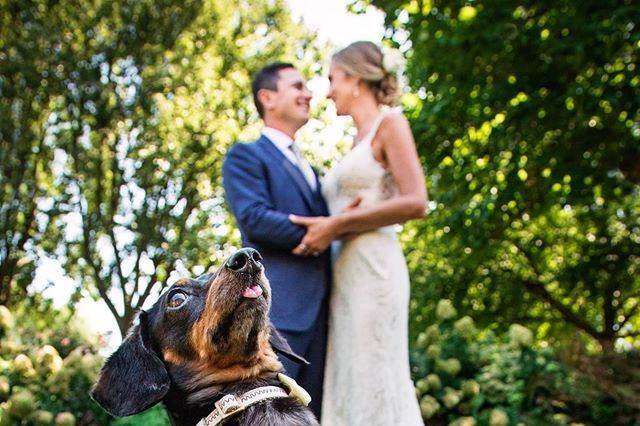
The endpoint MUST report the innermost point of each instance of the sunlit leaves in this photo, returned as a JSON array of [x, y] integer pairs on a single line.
[[140, 101], [528, 127]]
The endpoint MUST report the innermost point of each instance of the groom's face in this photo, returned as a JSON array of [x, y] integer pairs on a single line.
[[290, 102]]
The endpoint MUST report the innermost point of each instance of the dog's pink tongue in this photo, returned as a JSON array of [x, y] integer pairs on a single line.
[[252, 292]]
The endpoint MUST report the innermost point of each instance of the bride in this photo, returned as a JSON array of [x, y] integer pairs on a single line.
[[376, 185]]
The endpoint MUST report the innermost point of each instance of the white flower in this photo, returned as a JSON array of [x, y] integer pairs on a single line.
[[520, 335], [445, 309], [498, 418], [465, 326], [470, 388], [451, 397], [434, 382], [429, 406], [392, 61]]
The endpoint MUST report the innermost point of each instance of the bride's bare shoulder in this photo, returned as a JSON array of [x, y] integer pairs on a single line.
[[394, 126]]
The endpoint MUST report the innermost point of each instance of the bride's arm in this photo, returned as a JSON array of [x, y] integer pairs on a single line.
[[402, 160]]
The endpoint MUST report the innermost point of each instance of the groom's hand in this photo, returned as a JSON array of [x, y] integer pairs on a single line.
[[321, 231]]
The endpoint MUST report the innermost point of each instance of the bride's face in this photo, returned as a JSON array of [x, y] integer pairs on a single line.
[[342, 87]]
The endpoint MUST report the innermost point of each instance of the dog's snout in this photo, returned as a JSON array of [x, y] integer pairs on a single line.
[[244, 260]]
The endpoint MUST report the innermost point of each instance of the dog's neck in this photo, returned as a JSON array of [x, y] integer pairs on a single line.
[[198, 384], [210, 379], [184, 412]]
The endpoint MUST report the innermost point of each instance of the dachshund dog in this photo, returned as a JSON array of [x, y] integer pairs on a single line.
[[205, 345]]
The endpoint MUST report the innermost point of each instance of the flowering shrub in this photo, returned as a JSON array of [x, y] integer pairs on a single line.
[[466, 377], [47, 366]]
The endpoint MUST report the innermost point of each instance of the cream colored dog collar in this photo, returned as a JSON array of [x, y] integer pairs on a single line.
[[295, 390], [230, 404]]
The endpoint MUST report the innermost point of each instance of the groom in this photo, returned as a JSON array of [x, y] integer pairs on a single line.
[[265, 181]]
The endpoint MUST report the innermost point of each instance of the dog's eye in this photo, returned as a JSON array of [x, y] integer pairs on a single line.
[[177, 299]]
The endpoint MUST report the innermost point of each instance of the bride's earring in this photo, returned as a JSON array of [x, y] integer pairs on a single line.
[[355, 92]]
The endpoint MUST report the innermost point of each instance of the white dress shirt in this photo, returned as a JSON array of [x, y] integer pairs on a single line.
[[289, 149]]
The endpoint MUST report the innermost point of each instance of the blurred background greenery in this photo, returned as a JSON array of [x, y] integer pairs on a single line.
[[115, 117]]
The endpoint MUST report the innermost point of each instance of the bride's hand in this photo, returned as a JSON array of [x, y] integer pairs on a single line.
[[321, 231]]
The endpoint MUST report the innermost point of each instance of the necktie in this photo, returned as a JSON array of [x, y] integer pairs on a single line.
[[304, 167]]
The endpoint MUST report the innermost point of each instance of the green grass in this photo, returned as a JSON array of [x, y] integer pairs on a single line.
[[155, 416]]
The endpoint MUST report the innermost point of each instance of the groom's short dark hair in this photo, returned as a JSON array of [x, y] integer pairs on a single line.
[[267, 78]]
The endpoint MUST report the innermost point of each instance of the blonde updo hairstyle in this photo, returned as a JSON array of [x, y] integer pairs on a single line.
[[363, 59]]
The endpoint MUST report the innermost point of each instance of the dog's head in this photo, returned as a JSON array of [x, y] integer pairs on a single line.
[[199, 335]]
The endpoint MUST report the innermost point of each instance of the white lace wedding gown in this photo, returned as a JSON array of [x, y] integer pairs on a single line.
[[367, 380]]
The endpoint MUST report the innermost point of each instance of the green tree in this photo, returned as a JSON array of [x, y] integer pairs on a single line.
[[54, 56], [32, 56], [527, 118], [143, 129]]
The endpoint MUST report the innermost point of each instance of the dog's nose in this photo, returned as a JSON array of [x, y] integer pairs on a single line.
[[244, 260]]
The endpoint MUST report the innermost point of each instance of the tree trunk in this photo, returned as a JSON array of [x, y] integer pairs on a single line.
[[607, 343], [6, 282], [125, 321]]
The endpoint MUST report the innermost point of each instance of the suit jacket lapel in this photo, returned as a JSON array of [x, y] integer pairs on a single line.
[[293, 171]]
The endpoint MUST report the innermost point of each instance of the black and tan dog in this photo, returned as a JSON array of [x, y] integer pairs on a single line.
[[203, 340]]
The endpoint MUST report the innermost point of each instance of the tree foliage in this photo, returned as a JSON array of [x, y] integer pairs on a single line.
[[28, 82], [527, 118], [145, 99]]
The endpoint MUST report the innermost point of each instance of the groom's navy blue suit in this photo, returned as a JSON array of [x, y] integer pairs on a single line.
[[263, 187]]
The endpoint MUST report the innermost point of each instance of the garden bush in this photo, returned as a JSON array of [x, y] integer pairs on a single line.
[[468, 377], [47, 366], [48, 363]]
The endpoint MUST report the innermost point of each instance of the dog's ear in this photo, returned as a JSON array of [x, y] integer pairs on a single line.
[[133, 378], [281, 346]]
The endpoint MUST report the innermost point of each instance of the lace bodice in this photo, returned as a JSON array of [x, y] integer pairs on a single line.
[[359, 174]]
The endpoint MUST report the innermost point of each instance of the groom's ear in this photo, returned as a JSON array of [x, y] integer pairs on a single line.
[[266, 98], [281, 346]]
